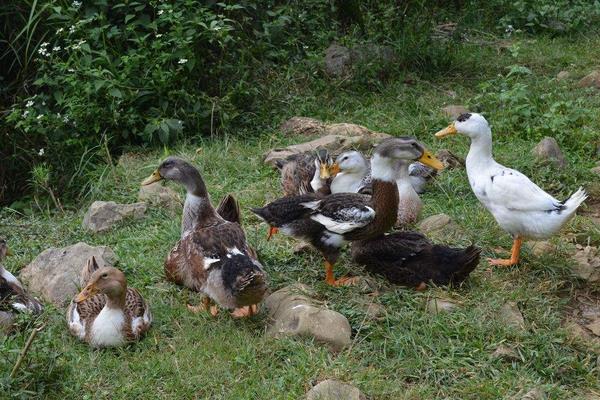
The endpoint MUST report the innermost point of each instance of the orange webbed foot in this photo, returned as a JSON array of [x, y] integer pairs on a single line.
[[246, 311], [501, 262], [272, 231]]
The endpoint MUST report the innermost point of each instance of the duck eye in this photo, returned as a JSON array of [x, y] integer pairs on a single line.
[[105, 275]]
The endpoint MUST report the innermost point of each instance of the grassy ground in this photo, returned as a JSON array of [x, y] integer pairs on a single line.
[[409, 353]]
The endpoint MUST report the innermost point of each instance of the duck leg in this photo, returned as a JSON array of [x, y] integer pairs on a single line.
[[514, 257], [330, 278], [206, 305], [272, 230], [246, 311]]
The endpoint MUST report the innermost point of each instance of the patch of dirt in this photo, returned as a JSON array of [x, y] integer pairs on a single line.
[[582, 319]]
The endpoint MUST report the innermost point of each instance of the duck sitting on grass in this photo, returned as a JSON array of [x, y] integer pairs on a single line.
[[519, 206], [13, 296], [213, 256], [328, 222]]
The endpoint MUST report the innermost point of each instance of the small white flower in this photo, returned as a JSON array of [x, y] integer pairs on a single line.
[[76, 4], [77, 45], [43, 103], [182, 61], [29, 103], [56, 48], [41, 152], [58, 115], [66, 119], [160, 12], [45, 44], [39, 117], [59, 30], [25, 113], [72, 29], [71, 70], [159, 35]]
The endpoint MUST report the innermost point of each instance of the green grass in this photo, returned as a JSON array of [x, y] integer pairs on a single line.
[[409, 353]]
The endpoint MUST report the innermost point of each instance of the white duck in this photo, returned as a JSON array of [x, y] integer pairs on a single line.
[[519, 206]]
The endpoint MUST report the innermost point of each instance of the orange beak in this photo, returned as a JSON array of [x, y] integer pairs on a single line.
[[87, 292], [334, 169], [155, 177], [272, 230], [449, 130]]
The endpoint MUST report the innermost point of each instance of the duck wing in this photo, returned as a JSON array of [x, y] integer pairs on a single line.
[[512, 189], [297, 172], [229, 209], [342, 212], [138, 310]]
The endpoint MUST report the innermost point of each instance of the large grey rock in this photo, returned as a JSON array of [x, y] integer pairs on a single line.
[[587, 263], [337, 60], [302, 126], [332, 389], [103, 215], [56, 274], [294, 313], [453, 110], [590, 80], [159, 195], [511, 316], [547, 150]]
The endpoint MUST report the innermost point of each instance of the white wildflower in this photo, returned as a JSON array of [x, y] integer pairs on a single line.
[[39, 117], [76, 4], [60, 30], [182, 61], [41, 152], [72, 29], [159, 35], [56, 48], [160, 12], [77, 45], [43, 49], [66, 119], [71, 70], [29, 103], [25, 113]]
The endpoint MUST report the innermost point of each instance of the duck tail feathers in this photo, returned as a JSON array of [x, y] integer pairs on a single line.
[[466, 261], [573, 202]]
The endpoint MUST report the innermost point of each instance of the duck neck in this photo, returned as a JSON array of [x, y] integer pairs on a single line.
[[197, 209], [403, 176], [385, 195], [117, 301], [480, 152]]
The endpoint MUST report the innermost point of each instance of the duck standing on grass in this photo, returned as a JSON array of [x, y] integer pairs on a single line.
[[213, 255], [107, 313], [519, 206], [328, 222]]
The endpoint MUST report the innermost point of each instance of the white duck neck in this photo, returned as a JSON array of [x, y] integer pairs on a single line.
[[382, 168], [480, 152], [403, 176]]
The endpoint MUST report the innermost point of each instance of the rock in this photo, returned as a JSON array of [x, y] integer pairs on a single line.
[[511, 316], [375, 311], [344, 129], [103, 215], [534, 394], [577, 333], [434, 223], [595, 170], [331, 389], [547, 150], [293, 313], [541, 248], [450, 160], [594, 326], [55, 274], [337, 60], [302, 126], [159, 195], [438, 305], [590, 80], [506, 353], [6, 322], [371, 52], [453, 111], [563, 75], [302, 248], [587, 263]]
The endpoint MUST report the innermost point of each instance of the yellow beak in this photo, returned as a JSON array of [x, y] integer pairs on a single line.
[[87, 292], [429, 159], [450, 130], [334, 169], [324, 171], [155, 177], [9, 252]]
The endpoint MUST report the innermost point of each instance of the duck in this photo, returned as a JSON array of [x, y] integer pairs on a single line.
[[327, 223], [305, 172], [420, 175], [212, 256], [518, 205], [352, 174], [13, 296], [411, 259], [107, 313]]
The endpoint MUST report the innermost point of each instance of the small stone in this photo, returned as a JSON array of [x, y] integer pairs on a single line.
[[547, 150], [302, 248], [56, 274], [434, 223], [511, 316], [375, 311], [337, 60], [563, 75], [331, 389], [587, 263], [450, 160], [453, 111], [506, 353], [302, 126], [594, 327], [590, 80], [6, 322], [103, 215], [534, 394], [541, 248], [159, 195], [438, 305], [595, 170], [293, 313]]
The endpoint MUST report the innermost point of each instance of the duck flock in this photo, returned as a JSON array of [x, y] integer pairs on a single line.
[[326, 204]]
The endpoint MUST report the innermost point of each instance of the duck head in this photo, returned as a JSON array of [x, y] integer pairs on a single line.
[[351, 162], [108, 280], [174, 169], [472, 125], [324, 164], [393, 150]]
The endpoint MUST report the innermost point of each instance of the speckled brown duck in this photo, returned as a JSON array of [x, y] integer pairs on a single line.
[[306, 173], [13, 296], [328, 222], [410, 259], [212, 256]]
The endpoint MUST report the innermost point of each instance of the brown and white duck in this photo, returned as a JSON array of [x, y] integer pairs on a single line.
[[213, 256], [328, 222], [13, 296], [306, 173], [108, 313]]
